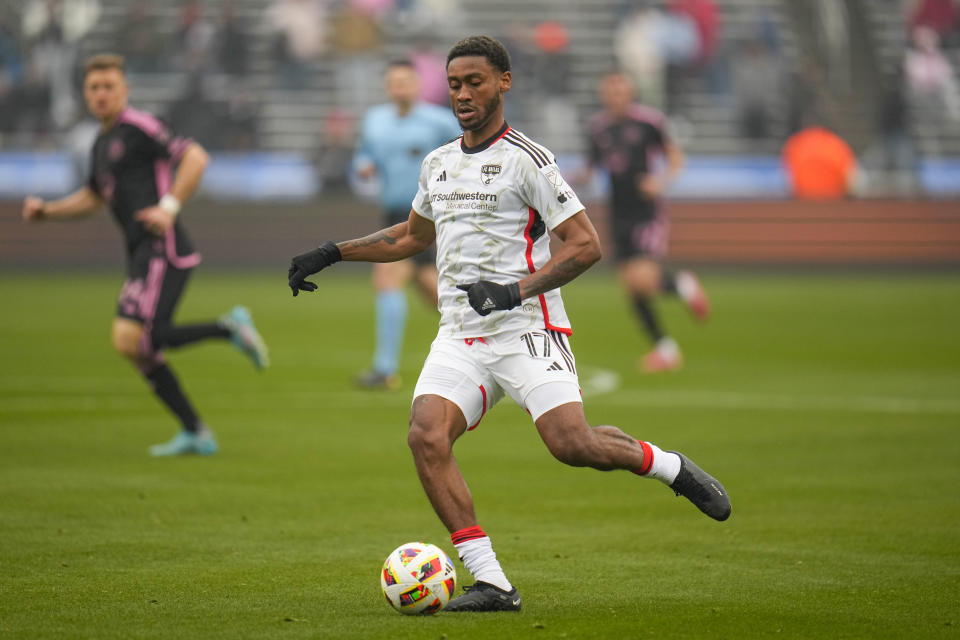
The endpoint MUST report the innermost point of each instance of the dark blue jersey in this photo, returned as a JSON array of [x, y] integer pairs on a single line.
[[131, 169]]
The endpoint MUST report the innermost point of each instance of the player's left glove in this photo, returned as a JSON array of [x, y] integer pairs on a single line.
[[309, 263], [486, 296]]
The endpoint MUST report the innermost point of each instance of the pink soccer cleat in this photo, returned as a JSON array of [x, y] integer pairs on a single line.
[[693, 295], [664, 357]]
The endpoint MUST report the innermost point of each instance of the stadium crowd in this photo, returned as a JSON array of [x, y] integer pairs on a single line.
[[340, 47]]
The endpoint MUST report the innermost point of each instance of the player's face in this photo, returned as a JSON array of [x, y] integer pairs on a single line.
[[476, 91], [403, 86], [106, 93], [616, 94]]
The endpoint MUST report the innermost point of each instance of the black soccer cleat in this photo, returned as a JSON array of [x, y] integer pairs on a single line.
[[702, 489], [483, 596]]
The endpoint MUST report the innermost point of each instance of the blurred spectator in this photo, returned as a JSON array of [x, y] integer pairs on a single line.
[[558, 125], [194, 116], [241, 131], [53, 30], [232, 54], [334, 155], [517, 38], [756, 80], [431, 67], [357, 38], [197, 35], [636, 43], [943, 16], [11, 75], [931, 81], [72, 19], [892, 160], [703, 14], [422, 16], [139, 41], [820, 164], [804, 98], [78, 142], [376, 9], [299, 36]]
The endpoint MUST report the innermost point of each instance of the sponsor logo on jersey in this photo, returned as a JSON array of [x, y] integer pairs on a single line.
[[442, 177], [489, 172]]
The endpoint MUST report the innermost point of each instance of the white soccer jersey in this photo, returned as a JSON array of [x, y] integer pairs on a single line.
[[491, 206]]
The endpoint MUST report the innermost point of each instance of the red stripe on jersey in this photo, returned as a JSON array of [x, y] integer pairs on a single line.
[[483, 411], [529, 255], [465, 535], [509, 129]]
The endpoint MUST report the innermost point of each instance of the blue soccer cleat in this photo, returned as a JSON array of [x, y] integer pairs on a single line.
[[187, 443], [245, 336]]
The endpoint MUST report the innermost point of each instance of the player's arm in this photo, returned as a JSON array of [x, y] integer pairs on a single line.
[[363, 163], [82, 202], [655, 184], [161, 216], [580, 249], [394, 243]]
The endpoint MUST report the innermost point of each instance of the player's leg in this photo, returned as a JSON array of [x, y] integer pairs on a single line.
[[571, 440], [651, 240], [389, 280], [128, 337], [446, 401], [235, 325], [149, 300], [641, 277]]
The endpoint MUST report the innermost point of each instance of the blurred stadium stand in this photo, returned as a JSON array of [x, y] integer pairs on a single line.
[[281, 118]]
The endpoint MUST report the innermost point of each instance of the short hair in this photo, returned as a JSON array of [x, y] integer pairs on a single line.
[[400, 62], [483, 46], [102, 62]]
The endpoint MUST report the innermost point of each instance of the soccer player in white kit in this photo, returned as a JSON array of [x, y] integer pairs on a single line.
[[488, 199]]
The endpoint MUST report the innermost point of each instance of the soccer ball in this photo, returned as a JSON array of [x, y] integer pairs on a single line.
[[418, 578]]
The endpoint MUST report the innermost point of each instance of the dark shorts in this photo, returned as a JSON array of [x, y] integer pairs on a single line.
[[643, 236], [427, 257], [153, 286]]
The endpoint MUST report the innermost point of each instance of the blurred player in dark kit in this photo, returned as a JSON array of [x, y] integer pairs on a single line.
[[631, 142], [132, 171]]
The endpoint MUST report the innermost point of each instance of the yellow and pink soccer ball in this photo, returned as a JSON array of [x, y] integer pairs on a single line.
[[418, 578]]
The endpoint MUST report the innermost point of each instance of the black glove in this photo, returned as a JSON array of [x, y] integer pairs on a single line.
[[486, 296], [309, 263]]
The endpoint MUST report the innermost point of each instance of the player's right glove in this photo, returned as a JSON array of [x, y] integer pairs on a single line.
[[309, 263]]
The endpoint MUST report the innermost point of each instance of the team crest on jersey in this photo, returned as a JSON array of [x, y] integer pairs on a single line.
[[115, 150], [489, 172]]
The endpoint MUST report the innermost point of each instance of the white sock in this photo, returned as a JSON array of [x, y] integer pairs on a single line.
[[664, 466], [668, 348], [480, 560]]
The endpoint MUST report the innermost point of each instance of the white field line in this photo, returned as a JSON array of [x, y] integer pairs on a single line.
[[600, 386]]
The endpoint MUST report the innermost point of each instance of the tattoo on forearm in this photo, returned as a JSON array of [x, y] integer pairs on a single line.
[[561, 273], [386, 236]]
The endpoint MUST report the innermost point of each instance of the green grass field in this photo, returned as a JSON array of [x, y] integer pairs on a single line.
[[828, 404]]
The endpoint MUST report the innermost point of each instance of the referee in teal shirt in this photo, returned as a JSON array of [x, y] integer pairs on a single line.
[[394, 140]]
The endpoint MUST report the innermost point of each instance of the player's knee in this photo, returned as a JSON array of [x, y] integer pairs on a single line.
[[126, 341], [428, 441]]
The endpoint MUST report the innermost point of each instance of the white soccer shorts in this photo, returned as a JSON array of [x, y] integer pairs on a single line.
[[535, 368]]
